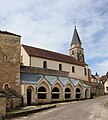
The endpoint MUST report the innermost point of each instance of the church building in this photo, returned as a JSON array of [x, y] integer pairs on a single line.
[[49, 76], [31, 75]]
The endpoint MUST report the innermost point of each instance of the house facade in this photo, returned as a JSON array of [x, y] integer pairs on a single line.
[[104, 81]]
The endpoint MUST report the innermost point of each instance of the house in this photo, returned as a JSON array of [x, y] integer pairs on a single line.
[[104, 81]]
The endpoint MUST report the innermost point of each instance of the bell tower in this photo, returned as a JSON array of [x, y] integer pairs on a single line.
[[76, 49]]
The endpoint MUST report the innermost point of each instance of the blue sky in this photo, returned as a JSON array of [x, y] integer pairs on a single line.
[[49, 24]]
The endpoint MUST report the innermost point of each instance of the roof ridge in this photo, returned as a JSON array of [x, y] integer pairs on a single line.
[[42, 53], [47, 50]]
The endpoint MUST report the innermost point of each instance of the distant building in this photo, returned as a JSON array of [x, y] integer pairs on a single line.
[[104, 81]]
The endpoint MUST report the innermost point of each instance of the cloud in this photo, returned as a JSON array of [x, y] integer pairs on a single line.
[[49, 24]]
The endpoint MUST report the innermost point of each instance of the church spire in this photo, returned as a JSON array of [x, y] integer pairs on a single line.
[[76, 49], [75, 38]]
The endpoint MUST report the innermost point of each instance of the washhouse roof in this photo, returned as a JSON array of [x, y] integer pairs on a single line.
[[32, 78]]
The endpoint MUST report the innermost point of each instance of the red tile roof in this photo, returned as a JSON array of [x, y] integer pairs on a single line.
[[37, 52], [104, 77]]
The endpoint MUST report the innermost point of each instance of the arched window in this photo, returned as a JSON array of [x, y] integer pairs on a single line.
[[77, 90], [44, 64], [73, 69], [78, 93], [67, 93], [67, 90], [6, 86], [42, 93], [55, 93], [85, 73], [60, 66], [55, 89], [42, 89]]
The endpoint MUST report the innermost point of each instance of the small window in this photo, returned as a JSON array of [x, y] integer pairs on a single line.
[[85, 72], [80, 51], [107, 88], [72, 52], [60, 66], [21, 58], [6, 86], [73, 69], [44, 64]]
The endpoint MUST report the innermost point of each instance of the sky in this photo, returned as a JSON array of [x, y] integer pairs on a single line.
[[49, 24]]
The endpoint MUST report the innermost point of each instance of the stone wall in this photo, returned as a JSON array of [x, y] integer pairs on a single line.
[[2, 106], [10, 61], [44, 71]]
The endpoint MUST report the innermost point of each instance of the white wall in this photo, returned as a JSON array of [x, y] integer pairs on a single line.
[[105, 86], [51, 64], [25, 57]]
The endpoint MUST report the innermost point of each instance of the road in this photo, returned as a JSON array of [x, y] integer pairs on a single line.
[[93, 109]]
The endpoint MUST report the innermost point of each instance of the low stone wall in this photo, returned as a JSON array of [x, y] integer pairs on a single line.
[[2, 106], [13, 103], [43, 71]]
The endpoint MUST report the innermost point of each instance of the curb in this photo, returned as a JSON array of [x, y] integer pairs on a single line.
[[26, 113]]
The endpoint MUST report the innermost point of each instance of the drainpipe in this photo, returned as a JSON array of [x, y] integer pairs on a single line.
[[30, 61]]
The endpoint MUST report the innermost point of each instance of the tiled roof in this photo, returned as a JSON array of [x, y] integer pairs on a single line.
[[5, 32], [104, 77], [37, 52]]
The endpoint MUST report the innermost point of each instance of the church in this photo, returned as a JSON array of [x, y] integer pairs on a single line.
[[30, 75]]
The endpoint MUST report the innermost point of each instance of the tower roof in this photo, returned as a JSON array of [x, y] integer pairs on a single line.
[[96, 74], [76, 39], [107, 74]]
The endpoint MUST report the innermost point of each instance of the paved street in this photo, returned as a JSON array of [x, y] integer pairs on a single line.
[[93, 109]]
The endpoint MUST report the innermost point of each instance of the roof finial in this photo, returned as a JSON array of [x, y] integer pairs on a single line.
[[75, 22]]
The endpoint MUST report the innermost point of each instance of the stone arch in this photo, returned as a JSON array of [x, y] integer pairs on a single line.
[[44, 83], [69, 91], [6, 86], [43, 91], [57, 91], [30, 91], [79, 91], [87, 93]]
